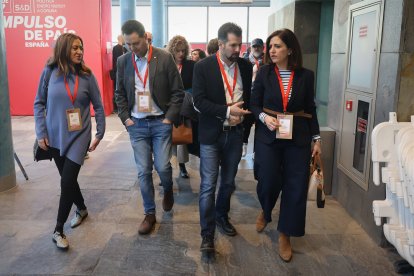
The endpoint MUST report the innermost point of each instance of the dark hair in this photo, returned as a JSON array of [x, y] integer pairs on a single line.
[[201, 53], [228, 28], [291, 41], [178, 41], [212, 46], [61, 56], [133, 26]]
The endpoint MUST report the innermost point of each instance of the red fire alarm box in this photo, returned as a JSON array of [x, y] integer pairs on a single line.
[[348, 105]]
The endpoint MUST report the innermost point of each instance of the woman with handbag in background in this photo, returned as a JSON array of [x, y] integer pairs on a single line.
[[283, 103], [63, 123], [179, 49]]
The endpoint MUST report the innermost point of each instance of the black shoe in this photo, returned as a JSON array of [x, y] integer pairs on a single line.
[[183, 171], [207, 244], [225, 227], [208, 254], [168, 201]]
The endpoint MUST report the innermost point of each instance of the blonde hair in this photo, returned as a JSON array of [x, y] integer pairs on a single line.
[[176, 42]]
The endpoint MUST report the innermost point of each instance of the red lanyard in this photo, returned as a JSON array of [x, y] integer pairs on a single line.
[[75, 92], [144, 82], [225, 77], [180, 67], [257, 63], [285, 93]]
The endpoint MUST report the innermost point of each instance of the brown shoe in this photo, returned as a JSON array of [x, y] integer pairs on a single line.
[[260, 222], [285, 249], [168, 201], [147, 224]]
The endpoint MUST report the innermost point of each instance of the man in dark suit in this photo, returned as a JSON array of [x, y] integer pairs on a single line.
[[117, 51], [149, 96], [221, 90]]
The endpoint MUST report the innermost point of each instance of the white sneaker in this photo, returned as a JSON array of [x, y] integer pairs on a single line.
[[80, 215], [60, 240], [244, 152]]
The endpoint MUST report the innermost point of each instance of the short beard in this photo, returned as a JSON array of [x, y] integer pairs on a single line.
[[233, 58], [257, 54]]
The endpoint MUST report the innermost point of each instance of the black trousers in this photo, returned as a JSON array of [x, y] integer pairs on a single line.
[[284, 167], [247, 124], [70, 192], [113, 97]]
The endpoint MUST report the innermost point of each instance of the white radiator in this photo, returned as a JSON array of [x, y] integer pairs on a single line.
[[393, 144]]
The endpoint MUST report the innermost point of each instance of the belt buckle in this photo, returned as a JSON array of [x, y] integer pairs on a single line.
[[226, 128]]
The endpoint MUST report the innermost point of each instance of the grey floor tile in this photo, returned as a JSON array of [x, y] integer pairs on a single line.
[[107, 243]]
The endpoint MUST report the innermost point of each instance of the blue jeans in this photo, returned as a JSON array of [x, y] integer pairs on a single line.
[[151, 136], [225, 152]]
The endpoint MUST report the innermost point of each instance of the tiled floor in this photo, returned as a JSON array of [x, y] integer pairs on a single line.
[[107, 243]]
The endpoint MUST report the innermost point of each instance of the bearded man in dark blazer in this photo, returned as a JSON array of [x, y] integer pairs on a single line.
[[221, 91]]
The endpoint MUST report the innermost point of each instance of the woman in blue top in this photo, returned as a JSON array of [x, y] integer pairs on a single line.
[[63, 123]]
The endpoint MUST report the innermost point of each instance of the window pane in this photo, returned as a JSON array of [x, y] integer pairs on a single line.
[[219, 15], [116, 23], [190, 22], [361, 136], [258, 23], [142, 14]]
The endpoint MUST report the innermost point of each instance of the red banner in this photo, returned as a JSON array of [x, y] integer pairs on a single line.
[[32, 27]]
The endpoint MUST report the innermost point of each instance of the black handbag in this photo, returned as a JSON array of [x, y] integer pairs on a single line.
[[41, 154]]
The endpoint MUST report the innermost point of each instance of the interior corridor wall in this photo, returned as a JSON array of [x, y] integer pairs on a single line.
[[394, 63]]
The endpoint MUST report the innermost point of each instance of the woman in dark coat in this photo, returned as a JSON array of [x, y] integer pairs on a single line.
[[179, 48], [283, 104]]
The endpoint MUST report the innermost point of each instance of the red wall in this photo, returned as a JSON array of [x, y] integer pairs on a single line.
[[31, 28]]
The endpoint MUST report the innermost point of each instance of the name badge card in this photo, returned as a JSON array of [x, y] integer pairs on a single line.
[[74, 119], [144, 101], [285, 130]]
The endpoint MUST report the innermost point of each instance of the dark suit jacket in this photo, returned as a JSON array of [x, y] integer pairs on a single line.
[[117, 51], [209, 97], [266, 93], [187, 73], [164, 80]]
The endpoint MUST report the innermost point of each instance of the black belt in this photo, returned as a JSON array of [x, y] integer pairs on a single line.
[[230, 128], [154, 117]]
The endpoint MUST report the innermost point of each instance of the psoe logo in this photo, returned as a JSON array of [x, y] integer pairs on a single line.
[[7, 6], [22, 6]]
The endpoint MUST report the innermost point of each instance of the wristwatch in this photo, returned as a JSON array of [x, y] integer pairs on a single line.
[[317, 140]]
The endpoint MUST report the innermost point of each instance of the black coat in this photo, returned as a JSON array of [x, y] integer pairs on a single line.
[[209, 96], [187, 73], [117, 51], [266, 94]]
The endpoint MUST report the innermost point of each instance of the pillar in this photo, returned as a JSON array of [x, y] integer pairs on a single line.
[[7, 171], [158, 23], [127, 10]]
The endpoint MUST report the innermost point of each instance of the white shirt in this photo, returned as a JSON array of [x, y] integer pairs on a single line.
[[142, 64], [238, 89]]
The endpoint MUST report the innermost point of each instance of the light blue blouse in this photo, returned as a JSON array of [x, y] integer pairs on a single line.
[[53, 123]]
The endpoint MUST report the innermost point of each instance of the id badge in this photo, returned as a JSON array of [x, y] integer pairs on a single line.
[[74, 119], [144, 101], [285, 130]]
